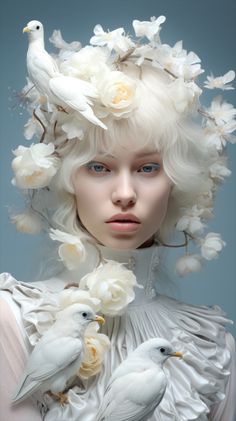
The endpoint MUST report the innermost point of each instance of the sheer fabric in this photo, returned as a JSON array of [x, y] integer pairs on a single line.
[[13, 355]]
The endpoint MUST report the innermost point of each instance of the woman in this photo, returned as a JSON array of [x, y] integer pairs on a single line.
[[111, 180]]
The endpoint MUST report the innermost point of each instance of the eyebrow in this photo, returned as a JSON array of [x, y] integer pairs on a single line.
[[137, 155]]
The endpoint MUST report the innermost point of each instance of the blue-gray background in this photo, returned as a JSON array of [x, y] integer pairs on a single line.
[[206, 26]]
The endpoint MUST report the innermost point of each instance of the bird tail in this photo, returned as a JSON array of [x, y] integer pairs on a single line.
[[23, 390], [89, 115]]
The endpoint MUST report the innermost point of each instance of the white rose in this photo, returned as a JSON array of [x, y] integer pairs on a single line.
[[212, 245], [28, 222], [72, 296], [35, 166], [72, 251], [188, 263], [113, 284], [117, 93], [96, 344]]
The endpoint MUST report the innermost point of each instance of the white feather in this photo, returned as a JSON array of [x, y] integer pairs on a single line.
[[58, 355], [138, 385]]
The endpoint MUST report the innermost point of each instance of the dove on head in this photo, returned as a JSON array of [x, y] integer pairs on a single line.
[[64, 92], [59, 353]]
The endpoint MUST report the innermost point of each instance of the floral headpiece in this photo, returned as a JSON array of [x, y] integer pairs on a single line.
[[85, 86]]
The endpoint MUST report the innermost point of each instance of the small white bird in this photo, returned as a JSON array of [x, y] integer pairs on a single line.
[[138, 384], [63, 91], [58, 354]]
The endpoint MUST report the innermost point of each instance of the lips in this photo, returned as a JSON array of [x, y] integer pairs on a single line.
[[124, 218]]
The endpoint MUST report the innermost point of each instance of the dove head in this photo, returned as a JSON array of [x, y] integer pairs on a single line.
[[80, 313], [158, 350], [35, 30]]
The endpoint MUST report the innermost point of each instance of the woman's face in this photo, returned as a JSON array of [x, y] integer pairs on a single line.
[[122, 198]]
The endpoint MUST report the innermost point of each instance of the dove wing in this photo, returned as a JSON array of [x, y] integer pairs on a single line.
[[128, 411], [73, 91], [76, 93], [133, 396], [47, 359]]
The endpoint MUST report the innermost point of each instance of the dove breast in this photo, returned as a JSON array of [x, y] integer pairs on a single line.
[[41, 68]]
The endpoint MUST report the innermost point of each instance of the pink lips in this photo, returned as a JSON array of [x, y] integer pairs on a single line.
[[124, 222]]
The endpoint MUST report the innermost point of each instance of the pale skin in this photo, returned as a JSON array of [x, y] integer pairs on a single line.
[[130, 183]]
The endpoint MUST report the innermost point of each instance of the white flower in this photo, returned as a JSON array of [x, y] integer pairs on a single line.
[[184, 94], [221, 111], [114, 40], [86, 63], [211, 245], [149, 29], [73, 127], [188, 263], [177, 61], [219, 135], [117, 93], [144, 52], [220, 82], [191, 224], [76, 295], [96, 344], [113, 284], [35, 166], [71, 251], [219, 171], [28, 222]]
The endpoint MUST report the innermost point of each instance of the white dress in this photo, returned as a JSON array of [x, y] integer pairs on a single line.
[[200, 387]]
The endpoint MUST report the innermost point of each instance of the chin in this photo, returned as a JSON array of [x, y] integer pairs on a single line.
[[126, 244]]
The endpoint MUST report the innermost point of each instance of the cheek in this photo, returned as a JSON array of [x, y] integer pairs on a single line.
[[158, 197]]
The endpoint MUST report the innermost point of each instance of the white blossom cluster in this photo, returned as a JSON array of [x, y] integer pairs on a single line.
[[115, 96]]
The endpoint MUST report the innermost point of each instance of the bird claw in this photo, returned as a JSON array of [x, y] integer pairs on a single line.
[[60, 396], [71, 285]]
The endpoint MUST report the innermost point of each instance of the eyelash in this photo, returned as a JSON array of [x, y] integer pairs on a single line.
[[91, 166]]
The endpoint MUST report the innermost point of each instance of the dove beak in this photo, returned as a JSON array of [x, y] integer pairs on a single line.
[[100, 319], [26, 29], [177, 354]]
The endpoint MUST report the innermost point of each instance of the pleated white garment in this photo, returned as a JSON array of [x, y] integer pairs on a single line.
[[197, 385]]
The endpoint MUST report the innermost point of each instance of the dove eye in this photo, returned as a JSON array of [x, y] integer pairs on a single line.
[[162, 350], [38, 27], [85, 314]]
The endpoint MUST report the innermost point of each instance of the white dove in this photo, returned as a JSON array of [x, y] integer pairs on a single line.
[[57, 356], [59, 89], [138, 384]]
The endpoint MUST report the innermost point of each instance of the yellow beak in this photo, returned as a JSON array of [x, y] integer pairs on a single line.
[[100, 319], [177, 354], [26, 29]]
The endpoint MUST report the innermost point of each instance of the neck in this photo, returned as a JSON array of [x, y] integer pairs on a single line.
[[37, 42]]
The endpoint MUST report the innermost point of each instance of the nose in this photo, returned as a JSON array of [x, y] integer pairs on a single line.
[[124, 193]]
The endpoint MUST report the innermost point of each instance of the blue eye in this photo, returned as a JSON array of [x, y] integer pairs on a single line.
[[149, 168], [96, 167]]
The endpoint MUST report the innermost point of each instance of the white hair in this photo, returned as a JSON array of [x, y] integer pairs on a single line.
[[178, 137]]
